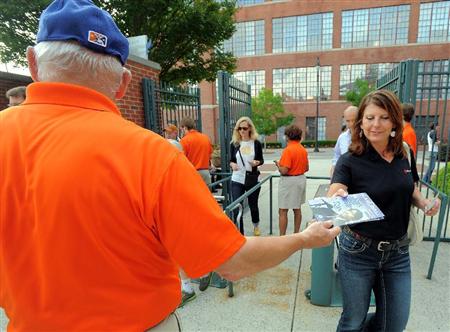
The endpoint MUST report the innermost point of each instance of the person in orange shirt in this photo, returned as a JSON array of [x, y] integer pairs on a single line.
[[292, 186], [197, 148], [409, 135], [96, 212]]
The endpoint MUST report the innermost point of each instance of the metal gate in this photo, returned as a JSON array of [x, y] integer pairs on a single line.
[[426, 85], [235, 100], [168, 104]]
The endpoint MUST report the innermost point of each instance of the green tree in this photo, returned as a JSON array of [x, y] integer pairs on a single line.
[[359, 90], [268, 112], [186, 35]]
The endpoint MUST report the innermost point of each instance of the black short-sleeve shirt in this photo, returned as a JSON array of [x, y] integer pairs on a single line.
[[389, 185]]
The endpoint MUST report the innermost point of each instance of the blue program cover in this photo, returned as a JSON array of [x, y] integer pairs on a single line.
[[353, 209]]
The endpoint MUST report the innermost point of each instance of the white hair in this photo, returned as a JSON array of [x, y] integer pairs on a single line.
[[69, 62]]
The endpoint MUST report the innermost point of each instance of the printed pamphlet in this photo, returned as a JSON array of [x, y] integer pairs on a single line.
[[353, 209]]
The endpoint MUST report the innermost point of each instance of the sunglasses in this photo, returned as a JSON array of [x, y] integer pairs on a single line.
[[243, 128]]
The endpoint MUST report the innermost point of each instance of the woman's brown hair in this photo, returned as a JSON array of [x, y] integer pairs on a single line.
[[389, 102]]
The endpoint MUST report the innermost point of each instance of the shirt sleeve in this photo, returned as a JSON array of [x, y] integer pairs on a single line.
[[413, 166], [258, 152], [285, 159], [337, 151], [342, 172], [233, 153], [191, 225]]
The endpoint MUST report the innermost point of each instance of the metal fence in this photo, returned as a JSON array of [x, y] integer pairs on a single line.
[[235, 101], [168, 104]]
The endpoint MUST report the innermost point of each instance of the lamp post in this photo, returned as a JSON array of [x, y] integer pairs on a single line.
[[316, 146]]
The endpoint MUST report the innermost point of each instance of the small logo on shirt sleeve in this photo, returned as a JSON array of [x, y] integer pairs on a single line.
[[406, 171], [97, 38]]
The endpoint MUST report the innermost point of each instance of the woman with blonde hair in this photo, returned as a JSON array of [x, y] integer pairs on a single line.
[[245, 157]]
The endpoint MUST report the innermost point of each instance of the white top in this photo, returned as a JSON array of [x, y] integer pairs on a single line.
[[342, 144], [176, 143], [248, 154], [431, 138]]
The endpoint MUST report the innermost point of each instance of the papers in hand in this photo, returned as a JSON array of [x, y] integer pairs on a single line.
[[353, 209]]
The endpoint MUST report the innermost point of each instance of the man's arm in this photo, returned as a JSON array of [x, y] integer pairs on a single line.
[[261, 253]]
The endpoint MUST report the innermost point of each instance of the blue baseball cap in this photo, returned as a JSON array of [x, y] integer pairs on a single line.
[[84, 22]]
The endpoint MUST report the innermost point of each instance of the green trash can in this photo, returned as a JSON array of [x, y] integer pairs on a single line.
[[325, 284]]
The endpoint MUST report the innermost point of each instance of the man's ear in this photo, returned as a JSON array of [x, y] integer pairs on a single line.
[[126, 79], [32, 63]]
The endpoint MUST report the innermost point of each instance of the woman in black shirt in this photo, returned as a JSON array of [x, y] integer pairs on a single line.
[[374, 256]]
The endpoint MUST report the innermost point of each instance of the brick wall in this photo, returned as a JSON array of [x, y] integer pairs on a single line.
[[8, 81], [132, 104]]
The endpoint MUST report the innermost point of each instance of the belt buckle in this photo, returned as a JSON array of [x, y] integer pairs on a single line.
[[380, 244]]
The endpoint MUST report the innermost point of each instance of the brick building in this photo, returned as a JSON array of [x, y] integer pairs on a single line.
[[278, 45], [131, 106]]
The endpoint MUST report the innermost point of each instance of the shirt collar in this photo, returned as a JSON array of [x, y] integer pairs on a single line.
[[293, 142], [69, 95]]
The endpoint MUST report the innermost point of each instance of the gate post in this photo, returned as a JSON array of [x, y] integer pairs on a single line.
[[150, 110]]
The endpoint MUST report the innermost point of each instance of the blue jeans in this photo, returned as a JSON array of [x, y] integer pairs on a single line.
[[237, 190], [362, 269], [427, 176]]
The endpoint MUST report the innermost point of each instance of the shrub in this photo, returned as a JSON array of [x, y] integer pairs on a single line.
[[443, 176], [444, 152], [322, 144]]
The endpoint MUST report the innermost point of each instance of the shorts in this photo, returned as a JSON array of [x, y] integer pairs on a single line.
[[291, 192]]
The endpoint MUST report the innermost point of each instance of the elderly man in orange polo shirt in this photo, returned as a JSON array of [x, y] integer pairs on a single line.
[[97, 213], [197, 147]]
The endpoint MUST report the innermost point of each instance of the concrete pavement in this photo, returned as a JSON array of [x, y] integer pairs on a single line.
[[274, 300]]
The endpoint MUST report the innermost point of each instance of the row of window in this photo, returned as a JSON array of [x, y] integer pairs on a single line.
[[297, 84], [372, 27]]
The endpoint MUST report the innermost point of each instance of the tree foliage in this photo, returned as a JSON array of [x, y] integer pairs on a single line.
[[359, 90], [268, 112], [185, 34]]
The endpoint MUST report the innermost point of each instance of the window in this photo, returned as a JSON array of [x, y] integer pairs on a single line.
[[256, 79], [434, 25], [248, 2], [247, 40], [296, 84], [369, 72], [375, 26], [302, 33], [311, 128], [432, 82]]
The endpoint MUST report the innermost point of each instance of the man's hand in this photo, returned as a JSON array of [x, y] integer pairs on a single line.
[[341, 193], [234, 166], [319, 234]]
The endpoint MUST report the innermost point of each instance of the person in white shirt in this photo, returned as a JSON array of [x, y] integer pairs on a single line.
[[433, 149], [345, 138]]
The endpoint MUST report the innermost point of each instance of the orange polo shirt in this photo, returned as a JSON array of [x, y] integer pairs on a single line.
[[96, 215], [295, 158], [409, 136], [197, 148]]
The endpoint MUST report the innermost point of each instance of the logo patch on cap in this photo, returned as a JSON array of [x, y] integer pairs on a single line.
[[97, 38]]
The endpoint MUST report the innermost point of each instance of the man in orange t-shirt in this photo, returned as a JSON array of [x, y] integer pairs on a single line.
[[409, 135], [197, 148], [292, 186], [97, 213]]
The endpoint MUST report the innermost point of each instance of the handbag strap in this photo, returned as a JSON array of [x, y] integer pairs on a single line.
[[240, 154], [408, 150]]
